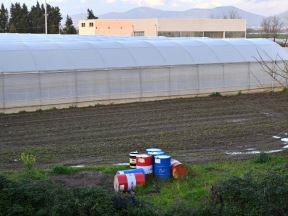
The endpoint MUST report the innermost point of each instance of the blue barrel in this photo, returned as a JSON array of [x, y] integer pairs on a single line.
[[153, 150], [131, 171], [155, 153], [162, 167]]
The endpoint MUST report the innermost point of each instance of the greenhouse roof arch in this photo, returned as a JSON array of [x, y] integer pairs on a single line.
[[28, 52]]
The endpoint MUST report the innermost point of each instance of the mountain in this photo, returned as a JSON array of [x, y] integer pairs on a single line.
[[76, 18], [253, 20], [283, 15]]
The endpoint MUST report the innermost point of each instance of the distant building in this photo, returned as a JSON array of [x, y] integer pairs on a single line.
[[213, 28]]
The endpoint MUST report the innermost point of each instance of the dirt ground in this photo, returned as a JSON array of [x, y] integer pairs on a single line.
[[192, 130], [85, 179]]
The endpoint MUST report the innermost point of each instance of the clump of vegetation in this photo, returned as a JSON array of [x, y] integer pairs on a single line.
[[61, 169], [28, 160], [263, 158], [284, 91], [248, 195], [215, 94], [44, 198]]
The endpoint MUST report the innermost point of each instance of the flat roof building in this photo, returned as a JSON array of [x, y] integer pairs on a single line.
[[213, 28]]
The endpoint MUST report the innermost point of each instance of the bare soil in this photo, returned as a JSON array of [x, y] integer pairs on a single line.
[[192, 130], [85, 179]]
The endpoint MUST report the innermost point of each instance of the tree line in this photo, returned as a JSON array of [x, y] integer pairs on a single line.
[[19, 19]]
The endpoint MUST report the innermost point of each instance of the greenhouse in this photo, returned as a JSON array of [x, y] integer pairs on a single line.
[[39, 71]]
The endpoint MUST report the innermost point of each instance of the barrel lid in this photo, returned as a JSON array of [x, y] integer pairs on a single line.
[[133, 153], [153, 150], [156, 153], [163, 156]]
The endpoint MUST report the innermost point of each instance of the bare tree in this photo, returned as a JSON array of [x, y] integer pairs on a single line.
[[277, 69], [233, 14], [272, 26]]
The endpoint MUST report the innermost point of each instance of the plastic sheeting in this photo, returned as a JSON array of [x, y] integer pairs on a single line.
[[33, 53], [38, 70]]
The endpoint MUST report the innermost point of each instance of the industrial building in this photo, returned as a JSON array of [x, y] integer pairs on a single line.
[[38, 71], [213, 28]]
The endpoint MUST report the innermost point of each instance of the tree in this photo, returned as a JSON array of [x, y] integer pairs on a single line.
[[19, 18], [37, 19], [69, 27], [272, 26], [90, 14], [276, 69], [54, 19], [233, 14], [4, 16]]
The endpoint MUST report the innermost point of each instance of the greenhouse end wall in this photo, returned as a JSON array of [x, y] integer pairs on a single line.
[[42, 90]]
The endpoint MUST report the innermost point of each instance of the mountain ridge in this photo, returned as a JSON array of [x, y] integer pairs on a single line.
[[253, 20]]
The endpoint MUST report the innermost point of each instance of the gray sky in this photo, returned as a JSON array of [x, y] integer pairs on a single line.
[[262, 7]]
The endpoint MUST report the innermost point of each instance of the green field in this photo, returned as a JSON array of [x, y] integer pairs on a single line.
[[193, 192]]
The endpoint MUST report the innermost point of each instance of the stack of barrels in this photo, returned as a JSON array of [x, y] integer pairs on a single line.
[[153, 163]]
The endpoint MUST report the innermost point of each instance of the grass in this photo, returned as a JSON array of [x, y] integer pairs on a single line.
[[194, 189], [215, 94]]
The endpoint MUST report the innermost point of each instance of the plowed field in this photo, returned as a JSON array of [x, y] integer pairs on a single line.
[[192, 130]]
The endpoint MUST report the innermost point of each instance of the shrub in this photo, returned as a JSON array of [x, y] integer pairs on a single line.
[[265, 195], [61, 169], [28, 160], [215, 94], [263, 158], [44, 198]]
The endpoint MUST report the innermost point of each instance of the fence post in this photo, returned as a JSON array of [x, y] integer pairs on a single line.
[[76, 87], [140, 82], [3, 90], [40, 88], [223, 77], [249, 76], [169, 79], [198, 79]]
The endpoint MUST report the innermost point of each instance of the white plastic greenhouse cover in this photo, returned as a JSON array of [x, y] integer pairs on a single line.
[[24, 52]]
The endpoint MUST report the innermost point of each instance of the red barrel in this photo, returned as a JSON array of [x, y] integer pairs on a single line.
[[128, 182], [179, 170], [145, 162]]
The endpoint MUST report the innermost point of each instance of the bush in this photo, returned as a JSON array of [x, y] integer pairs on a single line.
[[215, 94], [44, 198], [61, 169], [28, 160], [265, 195], [263, 158]]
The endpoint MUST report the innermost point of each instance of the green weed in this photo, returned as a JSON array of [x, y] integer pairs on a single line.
[[215, 94]]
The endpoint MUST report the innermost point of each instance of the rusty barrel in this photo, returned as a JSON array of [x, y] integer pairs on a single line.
[[178, 169]]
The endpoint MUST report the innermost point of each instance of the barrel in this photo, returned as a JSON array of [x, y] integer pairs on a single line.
[[155, 153], [179, 170], [145, 162], [130, 171], [153, 150], [128, 182], [162, 167], [132, 159]]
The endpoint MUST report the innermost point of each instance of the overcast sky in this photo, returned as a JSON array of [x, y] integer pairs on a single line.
[[262, 7]]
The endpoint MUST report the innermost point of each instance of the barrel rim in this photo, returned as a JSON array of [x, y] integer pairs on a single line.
[[143, 156], [153, 150], [163, 156]]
